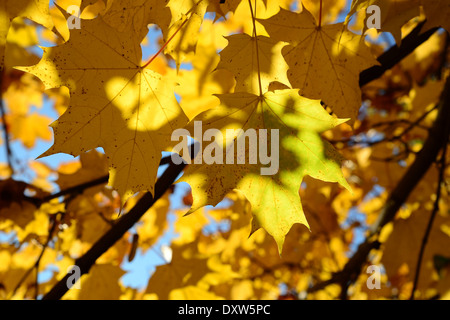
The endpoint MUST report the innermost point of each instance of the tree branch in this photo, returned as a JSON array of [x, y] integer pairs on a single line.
[[5, 126], [433, 215], [118, 230], [38, 260], [395, 54], [387, 60], [82, 186], [423, 161], [436, 140]]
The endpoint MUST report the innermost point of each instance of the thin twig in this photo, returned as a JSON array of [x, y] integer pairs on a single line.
[[5, 126], [437, 137], [432, 217], [412, 125], [83, 186], [395, 54], [86, 261], [35, 266]]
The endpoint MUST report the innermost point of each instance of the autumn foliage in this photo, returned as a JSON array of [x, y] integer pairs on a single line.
[[362, 117]]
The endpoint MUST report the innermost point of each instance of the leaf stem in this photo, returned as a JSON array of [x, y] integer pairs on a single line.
[[256, 43], [320, 14]]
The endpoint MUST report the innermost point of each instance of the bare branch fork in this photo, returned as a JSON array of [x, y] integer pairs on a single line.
[[437, 139], [120, 227]]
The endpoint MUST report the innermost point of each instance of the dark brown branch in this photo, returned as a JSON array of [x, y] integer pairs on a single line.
[[395, 54], [436, 140], [76, 189], [82, 186], [5, 126], [387, 60], [118, 230], [38, 260], [430, 222], [411, 125]]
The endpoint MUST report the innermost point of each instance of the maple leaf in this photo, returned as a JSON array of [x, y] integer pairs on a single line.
[[136, 14], [394, 14], [184, 269], [275, 201], [266, 63], [187, 16], [438, 14], [213, 255], [29, 128], [326, 10], [404, 243], [115, 104], [102, 282], [324, 61], [36, 10], [198, 85]]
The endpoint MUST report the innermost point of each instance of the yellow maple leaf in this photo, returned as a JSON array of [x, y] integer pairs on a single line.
[[266, 63], [115, 103], [273, 195], [36, 10], [438, 14], [102, 282], [403, 245], [29, 128], [187, 16], [183, 270], [324, 61]]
